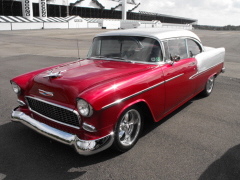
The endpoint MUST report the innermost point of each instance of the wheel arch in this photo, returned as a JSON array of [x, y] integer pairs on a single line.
[[142, 105]]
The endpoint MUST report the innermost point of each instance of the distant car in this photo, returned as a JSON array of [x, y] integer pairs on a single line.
[[101, 101]]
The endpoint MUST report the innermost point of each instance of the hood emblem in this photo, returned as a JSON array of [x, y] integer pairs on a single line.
[[45, 93], [51, 74]]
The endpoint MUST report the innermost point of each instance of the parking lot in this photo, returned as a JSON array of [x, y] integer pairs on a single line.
[[200, 140]]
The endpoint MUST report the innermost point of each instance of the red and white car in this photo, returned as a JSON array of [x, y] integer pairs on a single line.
[[101, 101]]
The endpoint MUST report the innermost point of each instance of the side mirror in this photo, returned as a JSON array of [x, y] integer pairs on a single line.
[[176, 58]]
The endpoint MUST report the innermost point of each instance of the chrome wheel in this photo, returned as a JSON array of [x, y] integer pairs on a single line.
[[129, 127], [209, 85]]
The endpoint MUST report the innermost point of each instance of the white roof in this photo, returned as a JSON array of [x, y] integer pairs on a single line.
[[158, 33]]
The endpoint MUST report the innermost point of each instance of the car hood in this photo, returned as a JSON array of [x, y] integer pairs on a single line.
[[76, 77]]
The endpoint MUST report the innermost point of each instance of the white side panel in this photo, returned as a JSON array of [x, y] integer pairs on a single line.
[[21, 26], [5, 26], [55, 25], [210, 58]]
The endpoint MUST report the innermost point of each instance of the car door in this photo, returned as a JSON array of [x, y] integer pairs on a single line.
[[178, 86]]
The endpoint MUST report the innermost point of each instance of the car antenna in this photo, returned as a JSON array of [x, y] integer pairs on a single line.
[[78, 50]]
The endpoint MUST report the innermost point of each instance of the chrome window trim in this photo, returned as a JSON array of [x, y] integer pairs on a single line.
[[53, 104], [140, 92], [129, 61], [199, 73]]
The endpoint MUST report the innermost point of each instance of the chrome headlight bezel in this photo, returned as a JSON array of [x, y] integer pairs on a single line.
[[84, 108], [16, 88]]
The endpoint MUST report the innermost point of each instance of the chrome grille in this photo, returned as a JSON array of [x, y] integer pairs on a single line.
[[54, 112]]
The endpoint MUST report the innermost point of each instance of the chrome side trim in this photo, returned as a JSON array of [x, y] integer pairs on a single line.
[[53, 104], [83, 147], [174, 77], [199, 73], [140, 92]]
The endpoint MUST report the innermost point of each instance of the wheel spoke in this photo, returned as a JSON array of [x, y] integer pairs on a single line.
[[121, 133], [133, 121], [126, 117], [127, 136]]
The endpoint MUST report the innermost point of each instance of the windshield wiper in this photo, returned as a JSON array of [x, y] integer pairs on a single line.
[[98, 57], [118, 58], [124, 59]]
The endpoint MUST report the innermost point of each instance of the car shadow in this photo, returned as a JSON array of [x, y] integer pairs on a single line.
[[150, 124], [225, 168], [24, 154]]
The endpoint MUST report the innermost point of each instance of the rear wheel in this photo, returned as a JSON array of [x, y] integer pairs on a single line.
[[209, 86], [128, 129]]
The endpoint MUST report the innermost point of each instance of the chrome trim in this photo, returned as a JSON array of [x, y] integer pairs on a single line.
[[174, 77], [21, 103], [223, 70], [129, 61], [140, 92], [83, 147], [199, 73], [53, 104], [88, 127]]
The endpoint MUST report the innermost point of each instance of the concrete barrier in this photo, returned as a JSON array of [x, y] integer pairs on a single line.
[[27, 25], [5, 26], [55, 25]]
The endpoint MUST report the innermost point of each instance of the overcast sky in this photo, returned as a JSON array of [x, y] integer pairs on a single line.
[[207, 12]]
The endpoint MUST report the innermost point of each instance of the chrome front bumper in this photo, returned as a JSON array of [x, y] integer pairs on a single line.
[[83, 147]]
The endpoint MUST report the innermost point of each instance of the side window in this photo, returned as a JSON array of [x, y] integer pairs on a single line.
[[177, 47], [165, 43], [193, 48]]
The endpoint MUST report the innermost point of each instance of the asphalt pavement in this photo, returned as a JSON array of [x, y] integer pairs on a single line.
[[200, 140]]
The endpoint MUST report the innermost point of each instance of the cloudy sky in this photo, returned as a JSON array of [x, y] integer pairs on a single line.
[[208, 12]]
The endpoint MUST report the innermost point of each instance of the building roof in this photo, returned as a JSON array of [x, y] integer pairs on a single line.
[[5, 19], [157, 33]]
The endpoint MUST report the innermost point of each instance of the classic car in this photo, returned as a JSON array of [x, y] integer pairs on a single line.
[[128, 77]]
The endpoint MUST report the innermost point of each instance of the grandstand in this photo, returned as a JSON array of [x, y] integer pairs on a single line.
[[107, 9]]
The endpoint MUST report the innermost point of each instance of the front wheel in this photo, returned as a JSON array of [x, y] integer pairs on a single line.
[[128, 129], [209, 86]]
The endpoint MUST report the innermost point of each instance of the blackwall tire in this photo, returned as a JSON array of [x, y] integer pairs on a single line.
[[128, 129]]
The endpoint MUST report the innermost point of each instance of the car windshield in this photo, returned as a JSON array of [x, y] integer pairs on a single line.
[[126, 48]]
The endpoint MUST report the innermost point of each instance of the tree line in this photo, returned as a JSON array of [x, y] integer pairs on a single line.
[[217, 28]]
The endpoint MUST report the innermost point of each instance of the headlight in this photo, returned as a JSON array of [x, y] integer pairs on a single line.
[[16, 88], [84, 108]]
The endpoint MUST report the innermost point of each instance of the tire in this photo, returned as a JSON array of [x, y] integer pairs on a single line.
[[128, 129], [208, 87]]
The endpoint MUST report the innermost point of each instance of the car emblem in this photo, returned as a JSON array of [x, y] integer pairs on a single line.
[[45, 93]]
